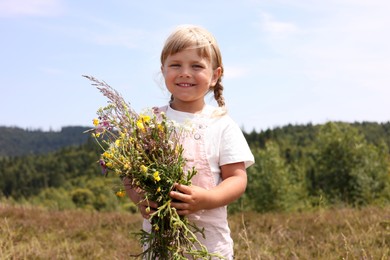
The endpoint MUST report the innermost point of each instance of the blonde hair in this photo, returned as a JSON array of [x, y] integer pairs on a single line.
[[191, 36]]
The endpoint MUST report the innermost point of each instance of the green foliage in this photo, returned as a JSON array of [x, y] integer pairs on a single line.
[[56, 199], [104, 189], [268, 182], [82, 198], [297, 167], [348, 168], [27, 175], [271, 187]]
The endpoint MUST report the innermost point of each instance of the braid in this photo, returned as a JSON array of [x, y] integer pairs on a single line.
[[218, 89]]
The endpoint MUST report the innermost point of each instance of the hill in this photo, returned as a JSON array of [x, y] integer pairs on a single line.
[[16, 141]]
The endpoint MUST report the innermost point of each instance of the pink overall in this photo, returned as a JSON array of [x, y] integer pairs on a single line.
[[214, 221]]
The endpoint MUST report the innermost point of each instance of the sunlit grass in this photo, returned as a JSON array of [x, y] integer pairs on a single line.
[[36, 233]]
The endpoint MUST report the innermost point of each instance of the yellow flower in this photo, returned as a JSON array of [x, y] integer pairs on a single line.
[[158, 189], [144, 118], [95, 122], [109, 164], [140, 125], [160, 127], [156, 176], [156, 228], [106, 154], [118, 142], [143, 168], [120, 193]]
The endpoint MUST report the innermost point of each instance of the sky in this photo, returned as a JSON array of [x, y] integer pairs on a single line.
[[286, 61]]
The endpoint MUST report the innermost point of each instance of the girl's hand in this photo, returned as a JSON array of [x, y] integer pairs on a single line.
[[137, 196], [193, 198], [189, 199], [146, 207]]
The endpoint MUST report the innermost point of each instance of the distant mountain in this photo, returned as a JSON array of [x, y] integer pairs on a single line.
[[16, 141]]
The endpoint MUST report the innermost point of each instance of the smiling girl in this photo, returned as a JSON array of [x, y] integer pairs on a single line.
[[191, 64]]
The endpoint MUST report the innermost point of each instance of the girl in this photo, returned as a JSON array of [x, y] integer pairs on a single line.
[[191, 65]]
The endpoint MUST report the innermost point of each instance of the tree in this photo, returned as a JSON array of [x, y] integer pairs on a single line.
[[268, 182], [347, 168]]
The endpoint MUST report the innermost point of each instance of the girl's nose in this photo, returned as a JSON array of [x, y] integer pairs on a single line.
[[184, 73]]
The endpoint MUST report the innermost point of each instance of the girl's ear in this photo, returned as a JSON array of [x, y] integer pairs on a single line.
[[216, 75]]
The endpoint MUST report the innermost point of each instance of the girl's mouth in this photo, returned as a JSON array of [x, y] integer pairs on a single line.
[[185, 85]]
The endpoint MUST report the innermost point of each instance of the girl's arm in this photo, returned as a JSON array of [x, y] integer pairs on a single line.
[[194, 198]]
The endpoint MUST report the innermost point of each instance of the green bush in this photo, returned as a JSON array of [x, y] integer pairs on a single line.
[[347, 168]]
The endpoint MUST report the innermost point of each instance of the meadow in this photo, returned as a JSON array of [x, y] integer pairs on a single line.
[[28, 232]]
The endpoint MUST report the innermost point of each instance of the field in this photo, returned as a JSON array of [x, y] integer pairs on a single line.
[[35, 233]]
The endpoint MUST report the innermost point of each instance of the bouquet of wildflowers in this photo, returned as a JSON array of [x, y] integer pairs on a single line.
[[146, 149]]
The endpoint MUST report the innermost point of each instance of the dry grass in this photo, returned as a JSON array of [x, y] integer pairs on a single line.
[[325, 234], [34, 233]]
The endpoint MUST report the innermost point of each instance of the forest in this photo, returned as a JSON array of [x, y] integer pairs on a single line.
[[298, 167]]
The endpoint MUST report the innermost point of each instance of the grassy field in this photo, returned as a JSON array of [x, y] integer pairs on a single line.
[[34, 233]]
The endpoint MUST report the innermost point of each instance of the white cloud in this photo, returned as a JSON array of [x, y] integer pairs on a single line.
[[10, 8], [347, 45], [269, 24]]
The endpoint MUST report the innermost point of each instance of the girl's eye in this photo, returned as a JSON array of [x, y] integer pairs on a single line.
[[174, 65], [197, 66]]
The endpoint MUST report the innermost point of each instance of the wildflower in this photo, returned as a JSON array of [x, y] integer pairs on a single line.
[[156, 228], [95, 122], [118, 142], [140, 125], [120, 193], [143, 168], [144, 118], [160, 127], [107, 155], [103, 165], [156, 176], [158, 189]]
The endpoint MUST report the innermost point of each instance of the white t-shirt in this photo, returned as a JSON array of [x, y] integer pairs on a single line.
[[225, 142]]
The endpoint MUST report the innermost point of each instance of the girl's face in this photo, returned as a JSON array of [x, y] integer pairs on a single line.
[[188, 77]]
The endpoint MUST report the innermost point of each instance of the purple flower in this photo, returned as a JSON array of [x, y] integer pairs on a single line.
[[104, 166]]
